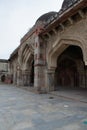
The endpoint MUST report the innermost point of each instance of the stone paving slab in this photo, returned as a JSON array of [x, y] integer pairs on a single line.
[[79, 95], [24, 110]]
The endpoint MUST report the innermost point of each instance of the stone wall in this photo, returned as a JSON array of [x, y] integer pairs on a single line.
[[4, 68], [45, 42]]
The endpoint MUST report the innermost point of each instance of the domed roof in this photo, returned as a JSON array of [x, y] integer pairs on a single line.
[[67, 3], [45, 17]]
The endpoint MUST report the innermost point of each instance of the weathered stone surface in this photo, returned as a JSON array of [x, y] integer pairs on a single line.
[[54, 55], [23, 110]]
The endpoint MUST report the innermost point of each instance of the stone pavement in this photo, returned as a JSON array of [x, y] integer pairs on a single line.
[[24, 110], [74, 94]]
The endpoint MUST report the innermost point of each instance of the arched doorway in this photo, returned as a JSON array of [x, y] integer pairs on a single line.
[[28, 72], [70, 72], [32, 74], [3, 77]]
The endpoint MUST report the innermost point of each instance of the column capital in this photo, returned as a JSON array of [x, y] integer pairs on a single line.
[[85, 63], [51, 70]]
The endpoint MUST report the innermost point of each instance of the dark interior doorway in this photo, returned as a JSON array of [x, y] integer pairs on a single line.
[[67, 74], [32, 75], [3, 78]]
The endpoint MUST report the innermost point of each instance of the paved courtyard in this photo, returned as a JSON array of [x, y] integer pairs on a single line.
[[24, 110]]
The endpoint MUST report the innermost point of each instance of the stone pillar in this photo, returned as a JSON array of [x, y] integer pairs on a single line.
[[26, 77], [51, 79], [81, 71], [14, 78], [19, 77], [40, 65], [85, 76]]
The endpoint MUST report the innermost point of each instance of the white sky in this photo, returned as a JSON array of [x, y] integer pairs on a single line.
[[17, 16]]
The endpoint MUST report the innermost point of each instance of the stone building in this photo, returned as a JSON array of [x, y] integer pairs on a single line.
[[53, 53], [4, 69]]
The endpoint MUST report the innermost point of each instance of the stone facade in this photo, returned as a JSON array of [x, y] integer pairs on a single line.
[[4, 69], [53, 53]]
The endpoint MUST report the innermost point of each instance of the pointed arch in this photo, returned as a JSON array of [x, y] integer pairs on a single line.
[[60, 45]]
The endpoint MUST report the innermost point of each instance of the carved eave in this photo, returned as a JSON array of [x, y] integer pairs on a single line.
[[28, 35], [65, 16]]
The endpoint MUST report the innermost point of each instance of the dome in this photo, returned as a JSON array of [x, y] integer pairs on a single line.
[[46, 17], [67, 3]]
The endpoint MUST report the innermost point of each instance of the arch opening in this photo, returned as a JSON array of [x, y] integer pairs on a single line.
[[28, 74], [32, 74], [70, 70], [3, 77]]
